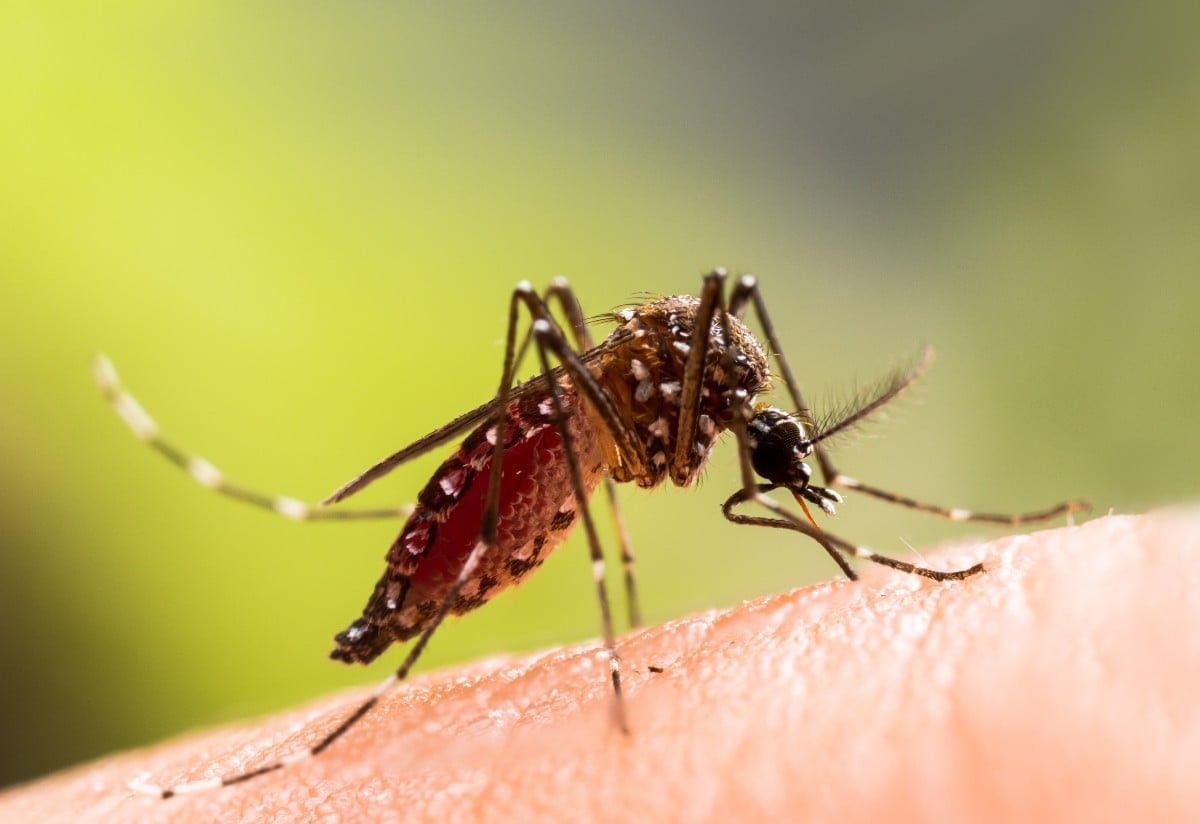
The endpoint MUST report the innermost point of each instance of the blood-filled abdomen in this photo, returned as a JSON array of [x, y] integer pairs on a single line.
[[537, 510]]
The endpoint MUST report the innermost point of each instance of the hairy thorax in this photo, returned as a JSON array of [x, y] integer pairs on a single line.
[[643, 372]]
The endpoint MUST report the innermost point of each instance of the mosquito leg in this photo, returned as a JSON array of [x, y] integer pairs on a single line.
[[747, 290], [436, 438], [711, 306], [561, 291], [837, 547], [832, 544], [711, 302], [574, 366], [753, 491], [203, 472], [786, 521], [627, 558], [956, 514], [548, 339]]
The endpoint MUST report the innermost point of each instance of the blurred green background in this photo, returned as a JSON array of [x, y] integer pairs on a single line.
[[294, 227]]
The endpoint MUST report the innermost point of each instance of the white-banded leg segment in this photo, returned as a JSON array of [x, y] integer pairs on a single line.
[[549, 339], [142, 787], [627, 559], [958, 514], [837, 547], [561, 291], [205, 473], [747, 292]]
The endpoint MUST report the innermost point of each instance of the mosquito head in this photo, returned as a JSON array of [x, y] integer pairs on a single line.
[[779, 444]]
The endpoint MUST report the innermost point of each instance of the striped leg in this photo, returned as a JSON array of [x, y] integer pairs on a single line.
[[956, 514], [751, 490], [549, 339], [561, 291], [837, 547], [746, 292], [203, 472]]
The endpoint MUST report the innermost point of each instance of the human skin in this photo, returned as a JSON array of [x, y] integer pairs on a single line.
[[1061, 684]]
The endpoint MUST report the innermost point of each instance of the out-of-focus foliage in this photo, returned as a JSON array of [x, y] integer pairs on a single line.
[[294, 228]]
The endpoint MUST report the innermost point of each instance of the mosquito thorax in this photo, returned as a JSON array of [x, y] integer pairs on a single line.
[[643, 372], [779, 443]]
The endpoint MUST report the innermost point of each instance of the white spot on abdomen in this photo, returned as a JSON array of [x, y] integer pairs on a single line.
[[452, 482], [417, 540]]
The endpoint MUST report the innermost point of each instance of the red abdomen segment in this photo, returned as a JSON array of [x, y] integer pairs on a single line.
[[537, 511]]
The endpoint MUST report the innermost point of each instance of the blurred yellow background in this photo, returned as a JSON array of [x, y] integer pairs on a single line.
[[294, 227]]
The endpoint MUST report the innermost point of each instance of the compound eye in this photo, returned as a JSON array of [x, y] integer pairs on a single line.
[[772, 460], [779, 448]]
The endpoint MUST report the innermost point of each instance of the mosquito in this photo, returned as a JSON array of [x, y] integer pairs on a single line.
[[645, 406]]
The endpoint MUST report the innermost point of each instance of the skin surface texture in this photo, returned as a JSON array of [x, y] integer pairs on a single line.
[[1061, 684]]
